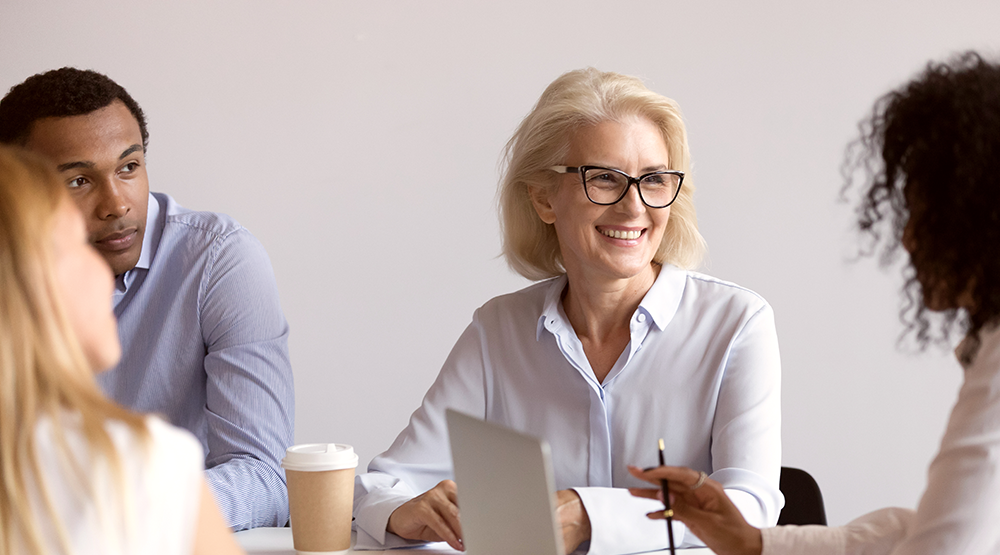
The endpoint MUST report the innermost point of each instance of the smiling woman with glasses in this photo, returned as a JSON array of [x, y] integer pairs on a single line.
[[619, 343]]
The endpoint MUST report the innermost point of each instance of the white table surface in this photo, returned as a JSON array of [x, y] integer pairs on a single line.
[[278, 541]]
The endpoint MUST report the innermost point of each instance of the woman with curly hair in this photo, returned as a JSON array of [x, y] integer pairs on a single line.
[[931, 154], [78, 473]]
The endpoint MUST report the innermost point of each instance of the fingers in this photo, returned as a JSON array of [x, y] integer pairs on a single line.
[[431, 516], [706, 510], [439, 521], [683, 498], [448, 511], [676, 475], [682, 511]]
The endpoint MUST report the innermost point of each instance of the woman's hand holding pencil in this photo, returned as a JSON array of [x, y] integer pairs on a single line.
[[706, 509]]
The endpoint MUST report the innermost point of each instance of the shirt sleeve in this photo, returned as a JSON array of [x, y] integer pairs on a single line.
[[746, 432], [421, 455], [249, 391], [958, 511], [875, 533], [746, 451]]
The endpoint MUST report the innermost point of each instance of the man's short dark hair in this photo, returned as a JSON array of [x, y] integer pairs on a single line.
[[61, 93]]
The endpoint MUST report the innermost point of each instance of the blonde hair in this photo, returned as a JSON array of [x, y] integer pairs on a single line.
[[44, 373], [578, 99]]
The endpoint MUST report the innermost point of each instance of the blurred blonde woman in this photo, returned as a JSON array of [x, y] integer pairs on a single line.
[[80, 474]]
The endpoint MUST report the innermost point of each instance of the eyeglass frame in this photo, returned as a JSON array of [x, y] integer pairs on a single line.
[[581, 170]]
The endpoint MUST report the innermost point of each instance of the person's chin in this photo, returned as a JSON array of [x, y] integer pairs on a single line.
[[121, 253], [632, 265], [122, 261], [626, 270], [105, 358]]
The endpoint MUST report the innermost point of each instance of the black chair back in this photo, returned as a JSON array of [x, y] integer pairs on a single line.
[[803, 500]]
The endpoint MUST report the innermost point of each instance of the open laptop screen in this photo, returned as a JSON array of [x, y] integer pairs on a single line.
[[506, 493]]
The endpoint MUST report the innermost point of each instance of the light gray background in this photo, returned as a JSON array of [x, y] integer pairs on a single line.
[[359, 142]]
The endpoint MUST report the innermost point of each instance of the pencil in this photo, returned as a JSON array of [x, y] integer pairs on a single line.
[[667, 511]]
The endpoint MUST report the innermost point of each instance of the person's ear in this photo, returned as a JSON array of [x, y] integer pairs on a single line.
[[540, 200]]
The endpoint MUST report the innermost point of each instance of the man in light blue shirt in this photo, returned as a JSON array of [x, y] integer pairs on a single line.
[[205, 343]]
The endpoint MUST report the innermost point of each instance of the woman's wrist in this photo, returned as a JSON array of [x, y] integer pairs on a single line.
[[573, 519]]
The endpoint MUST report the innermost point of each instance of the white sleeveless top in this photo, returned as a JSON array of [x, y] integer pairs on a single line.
[[163, 482]]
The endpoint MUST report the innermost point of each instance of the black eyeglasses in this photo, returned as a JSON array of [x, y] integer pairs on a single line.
[[606, 186]]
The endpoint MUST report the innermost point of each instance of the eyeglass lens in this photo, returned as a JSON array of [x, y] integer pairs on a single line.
[[607, 187]]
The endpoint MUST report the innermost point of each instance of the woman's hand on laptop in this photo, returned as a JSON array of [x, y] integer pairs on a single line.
[[431, 516], [573, 519]]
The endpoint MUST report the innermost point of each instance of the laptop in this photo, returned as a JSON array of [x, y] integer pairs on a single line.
[[506, 492]]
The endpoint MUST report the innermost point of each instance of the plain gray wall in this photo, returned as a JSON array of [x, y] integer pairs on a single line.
[[359, 142]]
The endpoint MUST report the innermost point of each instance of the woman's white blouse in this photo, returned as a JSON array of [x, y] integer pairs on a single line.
[[701, 371], [959, 511], [162, 477]]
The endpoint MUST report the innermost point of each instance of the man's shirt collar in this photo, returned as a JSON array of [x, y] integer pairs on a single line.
[[150, 239]]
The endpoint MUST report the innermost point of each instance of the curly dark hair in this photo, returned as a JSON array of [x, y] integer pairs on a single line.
[[61, 93], [930, 156]]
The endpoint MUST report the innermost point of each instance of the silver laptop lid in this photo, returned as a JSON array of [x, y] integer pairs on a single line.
[[506, 496]]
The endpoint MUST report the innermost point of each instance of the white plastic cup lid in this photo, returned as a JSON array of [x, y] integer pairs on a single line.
[[319, 457]]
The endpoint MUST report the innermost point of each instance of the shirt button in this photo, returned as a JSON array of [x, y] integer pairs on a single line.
[[641, 318]]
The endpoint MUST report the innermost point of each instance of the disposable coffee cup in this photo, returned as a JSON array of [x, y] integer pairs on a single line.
[[320, 496]]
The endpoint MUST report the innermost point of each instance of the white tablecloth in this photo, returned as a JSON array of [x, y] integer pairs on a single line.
[[278, 541]]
